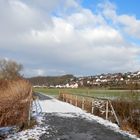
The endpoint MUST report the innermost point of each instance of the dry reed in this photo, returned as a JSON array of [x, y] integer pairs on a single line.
[[15, 99]]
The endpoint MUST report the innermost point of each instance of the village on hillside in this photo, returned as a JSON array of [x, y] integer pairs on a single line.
[[116, 80]]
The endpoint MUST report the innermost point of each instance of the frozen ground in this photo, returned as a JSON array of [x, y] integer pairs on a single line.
[[62, 121]]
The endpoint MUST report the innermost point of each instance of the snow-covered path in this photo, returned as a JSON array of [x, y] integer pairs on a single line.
[[58, 111], [51, 105], [62, 121]]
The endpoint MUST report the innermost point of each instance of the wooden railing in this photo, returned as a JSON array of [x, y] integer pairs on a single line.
[[97, 106]]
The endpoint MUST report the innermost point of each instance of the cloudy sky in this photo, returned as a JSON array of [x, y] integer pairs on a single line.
[[80, 37]]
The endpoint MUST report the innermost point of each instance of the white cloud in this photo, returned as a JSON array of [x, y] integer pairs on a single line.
[[78, 41], [102, 36], [108, 9], [84, 18], [130, 24], [17, 18], [39, 71], [34, 72]]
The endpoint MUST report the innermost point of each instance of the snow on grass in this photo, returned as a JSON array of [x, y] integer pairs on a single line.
[[33, 133], [28, 134]]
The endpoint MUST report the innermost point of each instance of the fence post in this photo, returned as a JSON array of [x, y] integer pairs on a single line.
[[106, 111], [71, 99], [92, 109], [29, 114], [87, 92], [83, 103], [59, 93], [114, 113], [76, 101], [66, 98], [63, 96]]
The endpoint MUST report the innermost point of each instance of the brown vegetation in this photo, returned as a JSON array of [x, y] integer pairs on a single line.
[[15, 101], [129, 114]]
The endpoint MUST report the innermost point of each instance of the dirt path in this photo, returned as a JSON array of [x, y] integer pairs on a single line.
[[75, 126]]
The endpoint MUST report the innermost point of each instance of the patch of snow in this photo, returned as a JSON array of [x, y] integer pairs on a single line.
[[4, 131], [66, 115], [109, 124], [54, 105], [33, 133]]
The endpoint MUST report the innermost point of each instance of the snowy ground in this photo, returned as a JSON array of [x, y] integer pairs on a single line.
[[53, 108]]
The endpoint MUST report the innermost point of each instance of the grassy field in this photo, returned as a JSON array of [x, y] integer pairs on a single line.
[[100, 93]]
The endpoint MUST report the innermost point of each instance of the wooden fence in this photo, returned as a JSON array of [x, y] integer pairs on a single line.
[[97, 106]]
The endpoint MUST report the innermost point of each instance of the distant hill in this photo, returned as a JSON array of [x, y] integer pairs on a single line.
[[128, 80], [51, 80]]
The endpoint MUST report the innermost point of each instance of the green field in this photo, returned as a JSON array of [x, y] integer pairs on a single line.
[[100, 93]]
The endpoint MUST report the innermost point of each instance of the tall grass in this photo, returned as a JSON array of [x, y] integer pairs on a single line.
[[15, 98], [129, 114]]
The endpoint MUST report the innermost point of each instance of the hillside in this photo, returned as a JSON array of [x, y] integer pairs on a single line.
[[51, 80], [129, 80]]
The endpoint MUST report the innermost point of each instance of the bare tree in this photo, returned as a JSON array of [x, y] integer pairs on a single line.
[[9, 69]]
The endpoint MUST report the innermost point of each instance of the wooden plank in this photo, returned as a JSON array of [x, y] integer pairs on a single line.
[[83, 100], [63, 97], [92, 109], [71, 99], [106, 111], [114, 114], [75, 100]]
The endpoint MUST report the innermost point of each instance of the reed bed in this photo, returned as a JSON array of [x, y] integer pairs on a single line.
[[15, 101]]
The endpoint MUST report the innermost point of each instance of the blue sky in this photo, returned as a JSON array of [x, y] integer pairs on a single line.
[[80, 37], [130, 7]]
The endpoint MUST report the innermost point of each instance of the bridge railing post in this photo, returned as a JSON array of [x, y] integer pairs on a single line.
[[106, 110], [71, 96], [75, 100], [117, 120], [92, 108], [83, 102]]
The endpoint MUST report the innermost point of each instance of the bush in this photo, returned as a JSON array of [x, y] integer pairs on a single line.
[[9, 69]]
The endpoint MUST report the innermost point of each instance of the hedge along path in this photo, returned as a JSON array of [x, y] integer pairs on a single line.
[[15, 102]]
